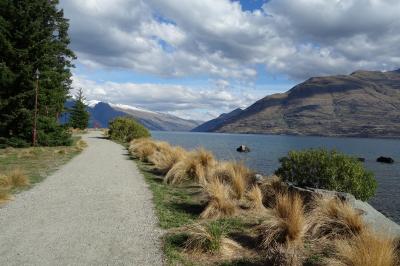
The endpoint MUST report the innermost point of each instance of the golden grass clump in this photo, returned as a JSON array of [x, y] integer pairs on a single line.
[[255, 197], [164, 160], [234, 173], [271, 187], [220, 204], [331, 218], [210, 238], [18, 178], [281, 235], [196, 167], [81, 144], [6, 182], [365, 249], [143, 148]]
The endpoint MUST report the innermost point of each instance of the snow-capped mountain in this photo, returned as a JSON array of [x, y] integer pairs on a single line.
[[102, 113]]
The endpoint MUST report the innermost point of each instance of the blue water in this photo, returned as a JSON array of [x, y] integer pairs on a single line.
[[267, 149]]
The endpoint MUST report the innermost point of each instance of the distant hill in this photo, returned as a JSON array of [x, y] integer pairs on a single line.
[[363, 104], [101, 113], [217, 122], [156, 120]]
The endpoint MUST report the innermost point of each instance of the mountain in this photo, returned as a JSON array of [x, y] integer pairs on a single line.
[[157, 121], [101, 113], [362, 104], [217, 122]]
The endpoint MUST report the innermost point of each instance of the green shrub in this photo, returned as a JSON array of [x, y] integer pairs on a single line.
[[50, 133], [125, 129], [330, 170]]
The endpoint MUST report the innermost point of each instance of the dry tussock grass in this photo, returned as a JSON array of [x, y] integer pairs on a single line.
[[281, 236], [255, 197], [81, 145], [18, 178], [6, 182], [234, 173], [220, 204], [365, 249], [230, 248], [332, 219], [210, 238], [271, 188], [196, 167], [164, 160], [143, 148]]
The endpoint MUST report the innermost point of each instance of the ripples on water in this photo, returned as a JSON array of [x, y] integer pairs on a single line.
[[267, 149]]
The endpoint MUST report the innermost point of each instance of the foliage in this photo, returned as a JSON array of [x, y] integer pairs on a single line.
[[330, 170], [125, 129], [79, 114], [50, 133], [33, 35]]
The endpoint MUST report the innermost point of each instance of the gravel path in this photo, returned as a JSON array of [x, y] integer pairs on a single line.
[[95, 210]]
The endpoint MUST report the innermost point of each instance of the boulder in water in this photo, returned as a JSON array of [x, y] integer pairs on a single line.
[[383, 159], [243, 148]]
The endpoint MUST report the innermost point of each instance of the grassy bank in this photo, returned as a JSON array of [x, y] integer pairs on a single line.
[[32, 165], [179, 207], [217, 213]]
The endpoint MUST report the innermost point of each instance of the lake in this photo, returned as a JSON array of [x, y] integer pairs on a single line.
[[267, 149]]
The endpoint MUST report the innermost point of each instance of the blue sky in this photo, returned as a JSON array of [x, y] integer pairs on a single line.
[[199, 58]]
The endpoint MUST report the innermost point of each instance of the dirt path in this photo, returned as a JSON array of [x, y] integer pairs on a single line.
[[96, 210]]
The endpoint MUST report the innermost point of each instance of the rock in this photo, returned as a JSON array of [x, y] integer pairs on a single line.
[[383, 159], [258, 177], [360, 159], [243, 148]]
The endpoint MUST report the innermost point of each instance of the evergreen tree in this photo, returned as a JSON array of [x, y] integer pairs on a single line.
[[33, 35], [79, 114]]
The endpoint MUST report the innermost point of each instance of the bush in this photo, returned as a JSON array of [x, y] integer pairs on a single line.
[[125, 129], [330, 170], [50, 133]]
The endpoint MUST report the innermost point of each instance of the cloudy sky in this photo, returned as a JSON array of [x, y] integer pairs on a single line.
[[199, 58]]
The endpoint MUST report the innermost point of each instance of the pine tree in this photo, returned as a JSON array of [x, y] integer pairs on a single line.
[[79, 114], [33, 35]]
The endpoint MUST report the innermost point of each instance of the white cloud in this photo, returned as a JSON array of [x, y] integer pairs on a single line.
[[187, 102], [175, 38]]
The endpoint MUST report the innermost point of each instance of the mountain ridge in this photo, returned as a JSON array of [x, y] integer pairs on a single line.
[[102, 113], [362, 104], [214, 123]]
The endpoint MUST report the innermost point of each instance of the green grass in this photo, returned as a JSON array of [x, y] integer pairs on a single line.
[[36, 162], [172, 203], [172, 245]]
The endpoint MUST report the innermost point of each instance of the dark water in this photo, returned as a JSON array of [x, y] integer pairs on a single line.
[[267, 149]]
